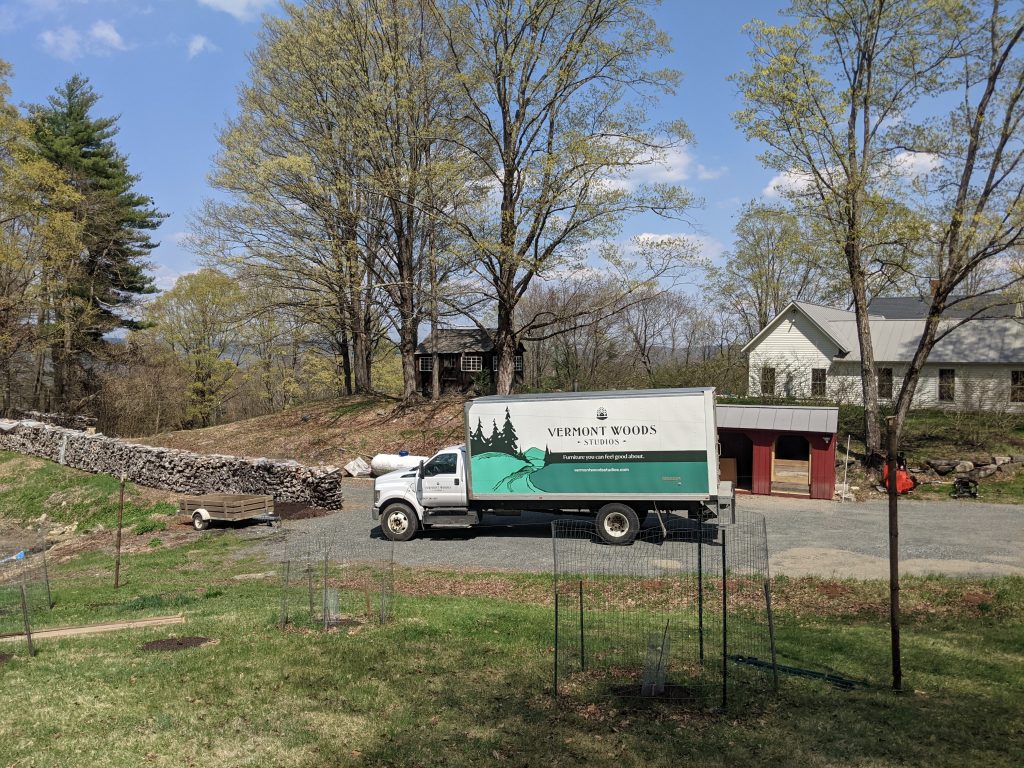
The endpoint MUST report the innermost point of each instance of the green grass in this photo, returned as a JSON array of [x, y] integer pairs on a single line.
[[462, 677], [30, 488]]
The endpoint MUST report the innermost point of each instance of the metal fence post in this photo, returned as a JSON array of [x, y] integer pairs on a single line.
[[555, 671], [725, 626], [583, 655], [771, 635], [284, 593], [700, 587]]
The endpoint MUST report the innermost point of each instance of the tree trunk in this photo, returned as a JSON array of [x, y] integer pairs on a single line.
[[505, 349]]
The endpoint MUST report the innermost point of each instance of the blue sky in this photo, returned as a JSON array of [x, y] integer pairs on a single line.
[[170, 69]]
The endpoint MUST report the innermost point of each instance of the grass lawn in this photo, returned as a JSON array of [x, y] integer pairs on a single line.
[[30, 487], [463, 675]]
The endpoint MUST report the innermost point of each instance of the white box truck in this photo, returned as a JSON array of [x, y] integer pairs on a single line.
[[614, 455]]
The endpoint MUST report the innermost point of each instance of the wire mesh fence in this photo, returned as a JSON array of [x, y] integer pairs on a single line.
[[681, 615], [328, 581], [25, 592]]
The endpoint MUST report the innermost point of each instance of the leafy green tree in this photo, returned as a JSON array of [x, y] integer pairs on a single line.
[[557, 94], [108, 276], [774, 261], [201, 320], [38, 238]]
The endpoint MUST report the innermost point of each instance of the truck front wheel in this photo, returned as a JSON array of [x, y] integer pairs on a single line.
[[617, 524], [399, 522]]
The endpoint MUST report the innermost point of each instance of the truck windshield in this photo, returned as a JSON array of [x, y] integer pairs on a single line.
[[443, 464]]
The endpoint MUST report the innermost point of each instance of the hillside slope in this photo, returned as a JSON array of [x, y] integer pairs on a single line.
[[330, 432]]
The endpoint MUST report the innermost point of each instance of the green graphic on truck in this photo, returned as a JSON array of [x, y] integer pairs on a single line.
[[643, 446]]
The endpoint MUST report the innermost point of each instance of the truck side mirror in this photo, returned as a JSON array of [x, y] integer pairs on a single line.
[[419, 470]]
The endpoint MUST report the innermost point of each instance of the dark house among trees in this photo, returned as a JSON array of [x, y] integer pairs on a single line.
[[465, 358]]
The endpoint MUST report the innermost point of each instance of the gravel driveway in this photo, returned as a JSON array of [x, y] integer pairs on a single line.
[[804, 537]]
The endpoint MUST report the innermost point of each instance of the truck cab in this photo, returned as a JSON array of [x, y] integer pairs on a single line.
[[433, 495]]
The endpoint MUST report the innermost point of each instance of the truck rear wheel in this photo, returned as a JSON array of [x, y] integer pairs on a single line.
[[617, 524], [399, 522]]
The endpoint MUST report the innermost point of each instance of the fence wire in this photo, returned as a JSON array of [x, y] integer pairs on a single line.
[[25, 593], [680, 615], [328, 581]]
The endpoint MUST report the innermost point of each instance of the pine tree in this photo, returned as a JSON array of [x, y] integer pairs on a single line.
[[116, 222], [477, 441], [509, 438], [494, 441]]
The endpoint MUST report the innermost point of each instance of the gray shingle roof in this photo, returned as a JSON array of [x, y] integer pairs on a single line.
[[454, 341], [778, 418]]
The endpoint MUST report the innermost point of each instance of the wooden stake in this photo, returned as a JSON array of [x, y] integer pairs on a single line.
[[24, 616], [117, 540]]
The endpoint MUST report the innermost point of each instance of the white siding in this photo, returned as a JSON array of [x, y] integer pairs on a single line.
[[792, 348]]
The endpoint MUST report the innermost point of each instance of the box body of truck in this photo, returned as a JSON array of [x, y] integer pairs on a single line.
[[615, 455], [650, 445]]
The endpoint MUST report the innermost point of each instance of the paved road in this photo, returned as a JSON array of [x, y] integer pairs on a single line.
[[804, 537]]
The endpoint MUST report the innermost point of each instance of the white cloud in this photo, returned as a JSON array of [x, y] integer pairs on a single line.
[[708, 174], [165, 277], [676, 166], [200, 44], [705, 245], [105, 38], [243, 10], [68, 43], [914, 164], [64, 43], [782, 183]]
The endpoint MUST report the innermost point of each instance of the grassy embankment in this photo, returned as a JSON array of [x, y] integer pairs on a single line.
[[462, 676]]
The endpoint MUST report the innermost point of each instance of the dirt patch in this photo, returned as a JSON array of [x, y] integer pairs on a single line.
[[287, 510], [20, 466], [331, 432], [67, 498], [4, 658], [176, 643], [147, 497]]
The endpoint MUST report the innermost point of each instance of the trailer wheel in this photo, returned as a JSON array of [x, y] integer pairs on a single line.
[[399, 522], [617, 524], [199, 523]]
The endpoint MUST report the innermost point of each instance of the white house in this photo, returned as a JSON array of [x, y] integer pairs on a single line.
[[808, 351]]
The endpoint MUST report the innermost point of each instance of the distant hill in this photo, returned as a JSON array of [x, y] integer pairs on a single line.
[[330, 432]]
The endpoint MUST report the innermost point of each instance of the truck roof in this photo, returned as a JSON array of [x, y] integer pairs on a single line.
[[605, 395]]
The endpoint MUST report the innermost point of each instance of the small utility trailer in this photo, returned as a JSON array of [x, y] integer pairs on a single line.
[[227, 506]]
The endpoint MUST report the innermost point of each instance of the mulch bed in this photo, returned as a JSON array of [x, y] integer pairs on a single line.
[[175, 643]]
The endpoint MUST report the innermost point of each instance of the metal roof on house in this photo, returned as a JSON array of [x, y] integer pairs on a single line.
[[778, 418], [916, 307], [984, 340]]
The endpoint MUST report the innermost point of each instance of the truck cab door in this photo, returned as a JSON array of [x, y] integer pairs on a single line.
[[443, 482]]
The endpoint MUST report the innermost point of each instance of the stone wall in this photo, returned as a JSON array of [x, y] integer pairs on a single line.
[[174, 470]]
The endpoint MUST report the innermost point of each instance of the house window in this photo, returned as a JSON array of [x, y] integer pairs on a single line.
[[426, 363], [472, 363], [817, 382], [1017, 386], [767, 381], [885, 383], [947, 385], [448, 361]]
